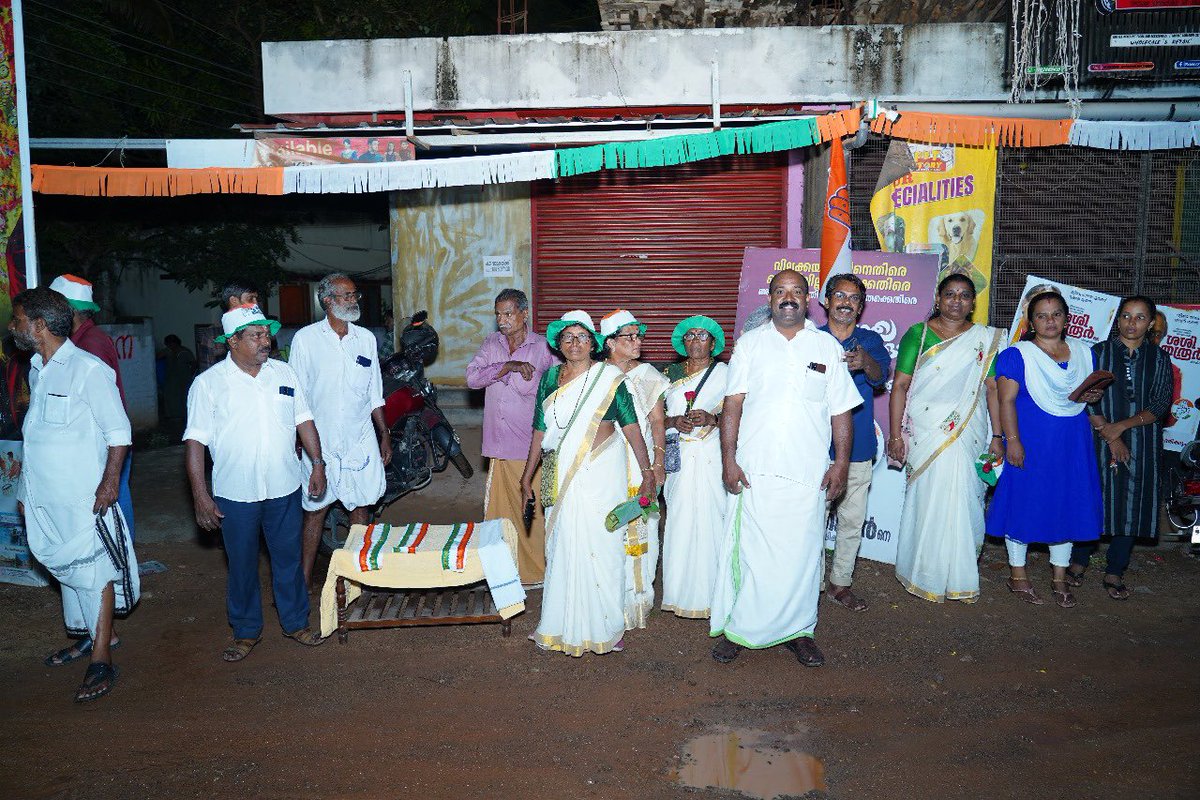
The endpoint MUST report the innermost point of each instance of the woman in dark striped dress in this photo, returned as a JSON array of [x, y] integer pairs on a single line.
[[1128, 420]]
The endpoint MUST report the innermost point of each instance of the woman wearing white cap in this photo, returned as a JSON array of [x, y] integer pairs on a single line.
[[622, 335], [579, 404]]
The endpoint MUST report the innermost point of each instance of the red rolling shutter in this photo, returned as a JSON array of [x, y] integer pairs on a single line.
[[663, 242]]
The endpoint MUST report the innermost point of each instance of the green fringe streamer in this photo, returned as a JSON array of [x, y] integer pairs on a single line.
[[766, 138]]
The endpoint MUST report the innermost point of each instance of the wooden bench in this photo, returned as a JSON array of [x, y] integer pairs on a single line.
[[399, 608]]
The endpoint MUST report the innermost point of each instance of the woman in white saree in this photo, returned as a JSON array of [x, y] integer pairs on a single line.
[[579, 405], [943, 410], [622, 336], [696, 497]]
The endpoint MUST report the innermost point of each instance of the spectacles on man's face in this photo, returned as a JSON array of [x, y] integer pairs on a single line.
[[697, 336], [854, 298], [348, 297]]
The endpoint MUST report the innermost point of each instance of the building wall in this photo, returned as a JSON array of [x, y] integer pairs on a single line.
[[440, 238], [916, 63]]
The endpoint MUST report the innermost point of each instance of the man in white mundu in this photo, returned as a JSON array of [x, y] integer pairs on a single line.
[[788, 393], [337, 364]]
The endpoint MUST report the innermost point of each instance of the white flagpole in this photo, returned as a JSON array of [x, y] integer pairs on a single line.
[[31, 265]]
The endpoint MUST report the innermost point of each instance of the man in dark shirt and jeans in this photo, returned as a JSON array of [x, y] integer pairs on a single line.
[[868, 361]]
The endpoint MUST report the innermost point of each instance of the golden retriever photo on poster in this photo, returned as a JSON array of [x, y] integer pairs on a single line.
[[958, 233]]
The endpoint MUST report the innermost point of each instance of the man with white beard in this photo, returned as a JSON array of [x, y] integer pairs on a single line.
[[337, 365]]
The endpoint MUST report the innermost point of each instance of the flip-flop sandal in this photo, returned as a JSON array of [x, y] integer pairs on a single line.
[[1063, 596], [305, 636], [1075, 579], [1117, 591], [97, 682], [848, 599], [239, 649], [1025, 593], [74, 653]]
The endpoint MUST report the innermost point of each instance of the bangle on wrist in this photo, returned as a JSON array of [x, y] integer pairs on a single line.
[[663, 449], [648, 469]]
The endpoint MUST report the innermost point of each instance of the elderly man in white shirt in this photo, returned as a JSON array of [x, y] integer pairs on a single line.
[[76, 438], [788, 392], [247, 410], [338, 366]]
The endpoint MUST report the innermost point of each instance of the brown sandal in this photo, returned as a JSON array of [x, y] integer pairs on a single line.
[[1117, 590], [846, 598], [1062, 596], [305, 636], [1025, 592], [1075, 579], [239, 649]]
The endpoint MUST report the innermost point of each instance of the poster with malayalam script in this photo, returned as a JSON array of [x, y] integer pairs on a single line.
[[1180, 341], [900, 289]]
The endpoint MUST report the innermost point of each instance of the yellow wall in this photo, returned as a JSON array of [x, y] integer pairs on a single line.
[[440, 238]]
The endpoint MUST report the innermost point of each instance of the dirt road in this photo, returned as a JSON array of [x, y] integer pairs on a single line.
[[995, 700]]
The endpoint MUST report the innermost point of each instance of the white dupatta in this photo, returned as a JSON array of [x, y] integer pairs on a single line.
[[1050, 385], [945, 394]]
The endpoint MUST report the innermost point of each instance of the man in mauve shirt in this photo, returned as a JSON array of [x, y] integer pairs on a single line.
[[509, 366], [88, 337]]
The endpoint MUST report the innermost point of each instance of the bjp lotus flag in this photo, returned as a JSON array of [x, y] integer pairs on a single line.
[[835, 227]]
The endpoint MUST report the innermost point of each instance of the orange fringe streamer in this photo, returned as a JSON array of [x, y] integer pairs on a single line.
[[839, 124], [155, 182], [980, 131]]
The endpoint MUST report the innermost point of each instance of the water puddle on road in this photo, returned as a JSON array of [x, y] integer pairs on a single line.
[[755, 763]]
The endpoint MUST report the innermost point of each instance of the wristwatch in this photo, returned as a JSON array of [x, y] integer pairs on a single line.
[[318, 462]]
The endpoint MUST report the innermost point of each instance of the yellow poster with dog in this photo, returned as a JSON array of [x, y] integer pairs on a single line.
[[940, 199]]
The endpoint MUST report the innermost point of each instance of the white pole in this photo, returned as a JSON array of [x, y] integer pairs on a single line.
[[716, 96], [408, 104], [31, 265]]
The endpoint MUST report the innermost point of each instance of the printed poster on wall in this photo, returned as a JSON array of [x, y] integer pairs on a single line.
[[940, 199], [900, 291], [17, 564], [1092, 313], [1180, 343], [307, 151]]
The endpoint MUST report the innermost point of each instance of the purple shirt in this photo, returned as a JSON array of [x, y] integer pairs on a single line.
[[508, 401]]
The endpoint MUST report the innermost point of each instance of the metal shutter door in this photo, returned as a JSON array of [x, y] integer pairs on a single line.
[[663, 242]]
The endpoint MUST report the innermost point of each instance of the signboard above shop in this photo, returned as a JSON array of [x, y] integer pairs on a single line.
[[1143, 40]]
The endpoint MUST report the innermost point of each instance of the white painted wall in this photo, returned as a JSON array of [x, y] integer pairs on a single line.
[[937, 62], [135, 358]]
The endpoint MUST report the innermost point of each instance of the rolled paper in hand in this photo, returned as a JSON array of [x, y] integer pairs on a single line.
[[628, 511]]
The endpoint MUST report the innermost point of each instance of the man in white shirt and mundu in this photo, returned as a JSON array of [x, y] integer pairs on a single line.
[[247, 410], [76, 438], [337, 364], [788, 393]]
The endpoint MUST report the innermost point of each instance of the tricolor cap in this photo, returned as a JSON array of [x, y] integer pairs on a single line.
[[77, 291], [243, 317], [613, 322]]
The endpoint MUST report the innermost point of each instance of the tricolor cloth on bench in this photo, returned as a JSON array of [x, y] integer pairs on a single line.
[[424, 556]]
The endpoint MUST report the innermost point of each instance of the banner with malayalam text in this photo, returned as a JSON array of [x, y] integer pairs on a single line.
[[900, 289], [1092, 313], [1180, 343]]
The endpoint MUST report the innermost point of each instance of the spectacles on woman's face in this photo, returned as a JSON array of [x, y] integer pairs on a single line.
[[697, 336], [629, 336], [574, 338]]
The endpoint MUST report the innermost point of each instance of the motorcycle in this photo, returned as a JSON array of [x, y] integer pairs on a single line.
[[423, 440], [1183, 503]]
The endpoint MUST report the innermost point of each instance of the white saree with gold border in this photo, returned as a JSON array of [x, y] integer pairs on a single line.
[[583, 595], [696, 503], [946, 427]]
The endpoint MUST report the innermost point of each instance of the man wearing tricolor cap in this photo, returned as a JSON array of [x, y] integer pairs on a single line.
[[247, 410], [87, 336]]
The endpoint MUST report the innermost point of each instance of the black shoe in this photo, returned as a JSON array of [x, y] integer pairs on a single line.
[[725, 651], [805, 650]]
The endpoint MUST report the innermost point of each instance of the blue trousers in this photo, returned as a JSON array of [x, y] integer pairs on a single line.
[[124, 498], [279, 521]]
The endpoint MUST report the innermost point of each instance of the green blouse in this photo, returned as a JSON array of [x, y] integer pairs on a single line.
[[621, 410], [906, 359]]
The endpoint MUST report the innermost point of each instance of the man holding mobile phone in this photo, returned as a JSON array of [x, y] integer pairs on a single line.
[[868, 361]]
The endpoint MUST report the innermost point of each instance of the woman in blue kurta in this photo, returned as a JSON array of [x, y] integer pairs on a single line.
[[1049, 492]]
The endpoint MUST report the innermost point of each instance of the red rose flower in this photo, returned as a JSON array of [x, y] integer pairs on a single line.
[[689, 396], [644, 502]]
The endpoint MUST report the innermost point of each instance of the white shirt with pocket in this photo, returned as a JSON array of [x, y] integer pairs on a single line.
[[249, 423]]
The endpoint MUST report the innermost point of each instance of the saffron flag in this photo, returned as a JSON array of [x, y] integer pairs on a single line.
[[835, 226]]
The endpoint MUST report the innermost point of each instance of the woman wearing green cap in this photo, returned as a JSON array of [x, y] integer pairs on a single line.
[[622, 335], [579, 405], [694, 491]]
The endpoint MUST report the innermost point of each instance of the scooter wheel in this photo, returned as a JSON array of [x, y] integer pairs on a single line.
[[1182, 519]]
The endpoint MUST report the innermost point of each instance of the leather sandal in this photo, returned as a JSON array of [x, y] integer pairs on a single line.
[[1075, 579], [846, 598], [305, 636], [806, 651], [1062, 595], [726, 651], [1025, 592], [239, 649], [97, 682], [1118, 590]]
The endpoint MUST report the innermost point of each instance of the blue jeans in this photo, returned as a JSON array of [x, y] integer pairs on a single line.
[[124, 498], [279, 521]]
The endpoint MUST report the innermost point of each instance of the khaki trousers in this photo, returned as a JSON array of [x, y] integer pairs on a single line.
[[851, 510], [502, 500]]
